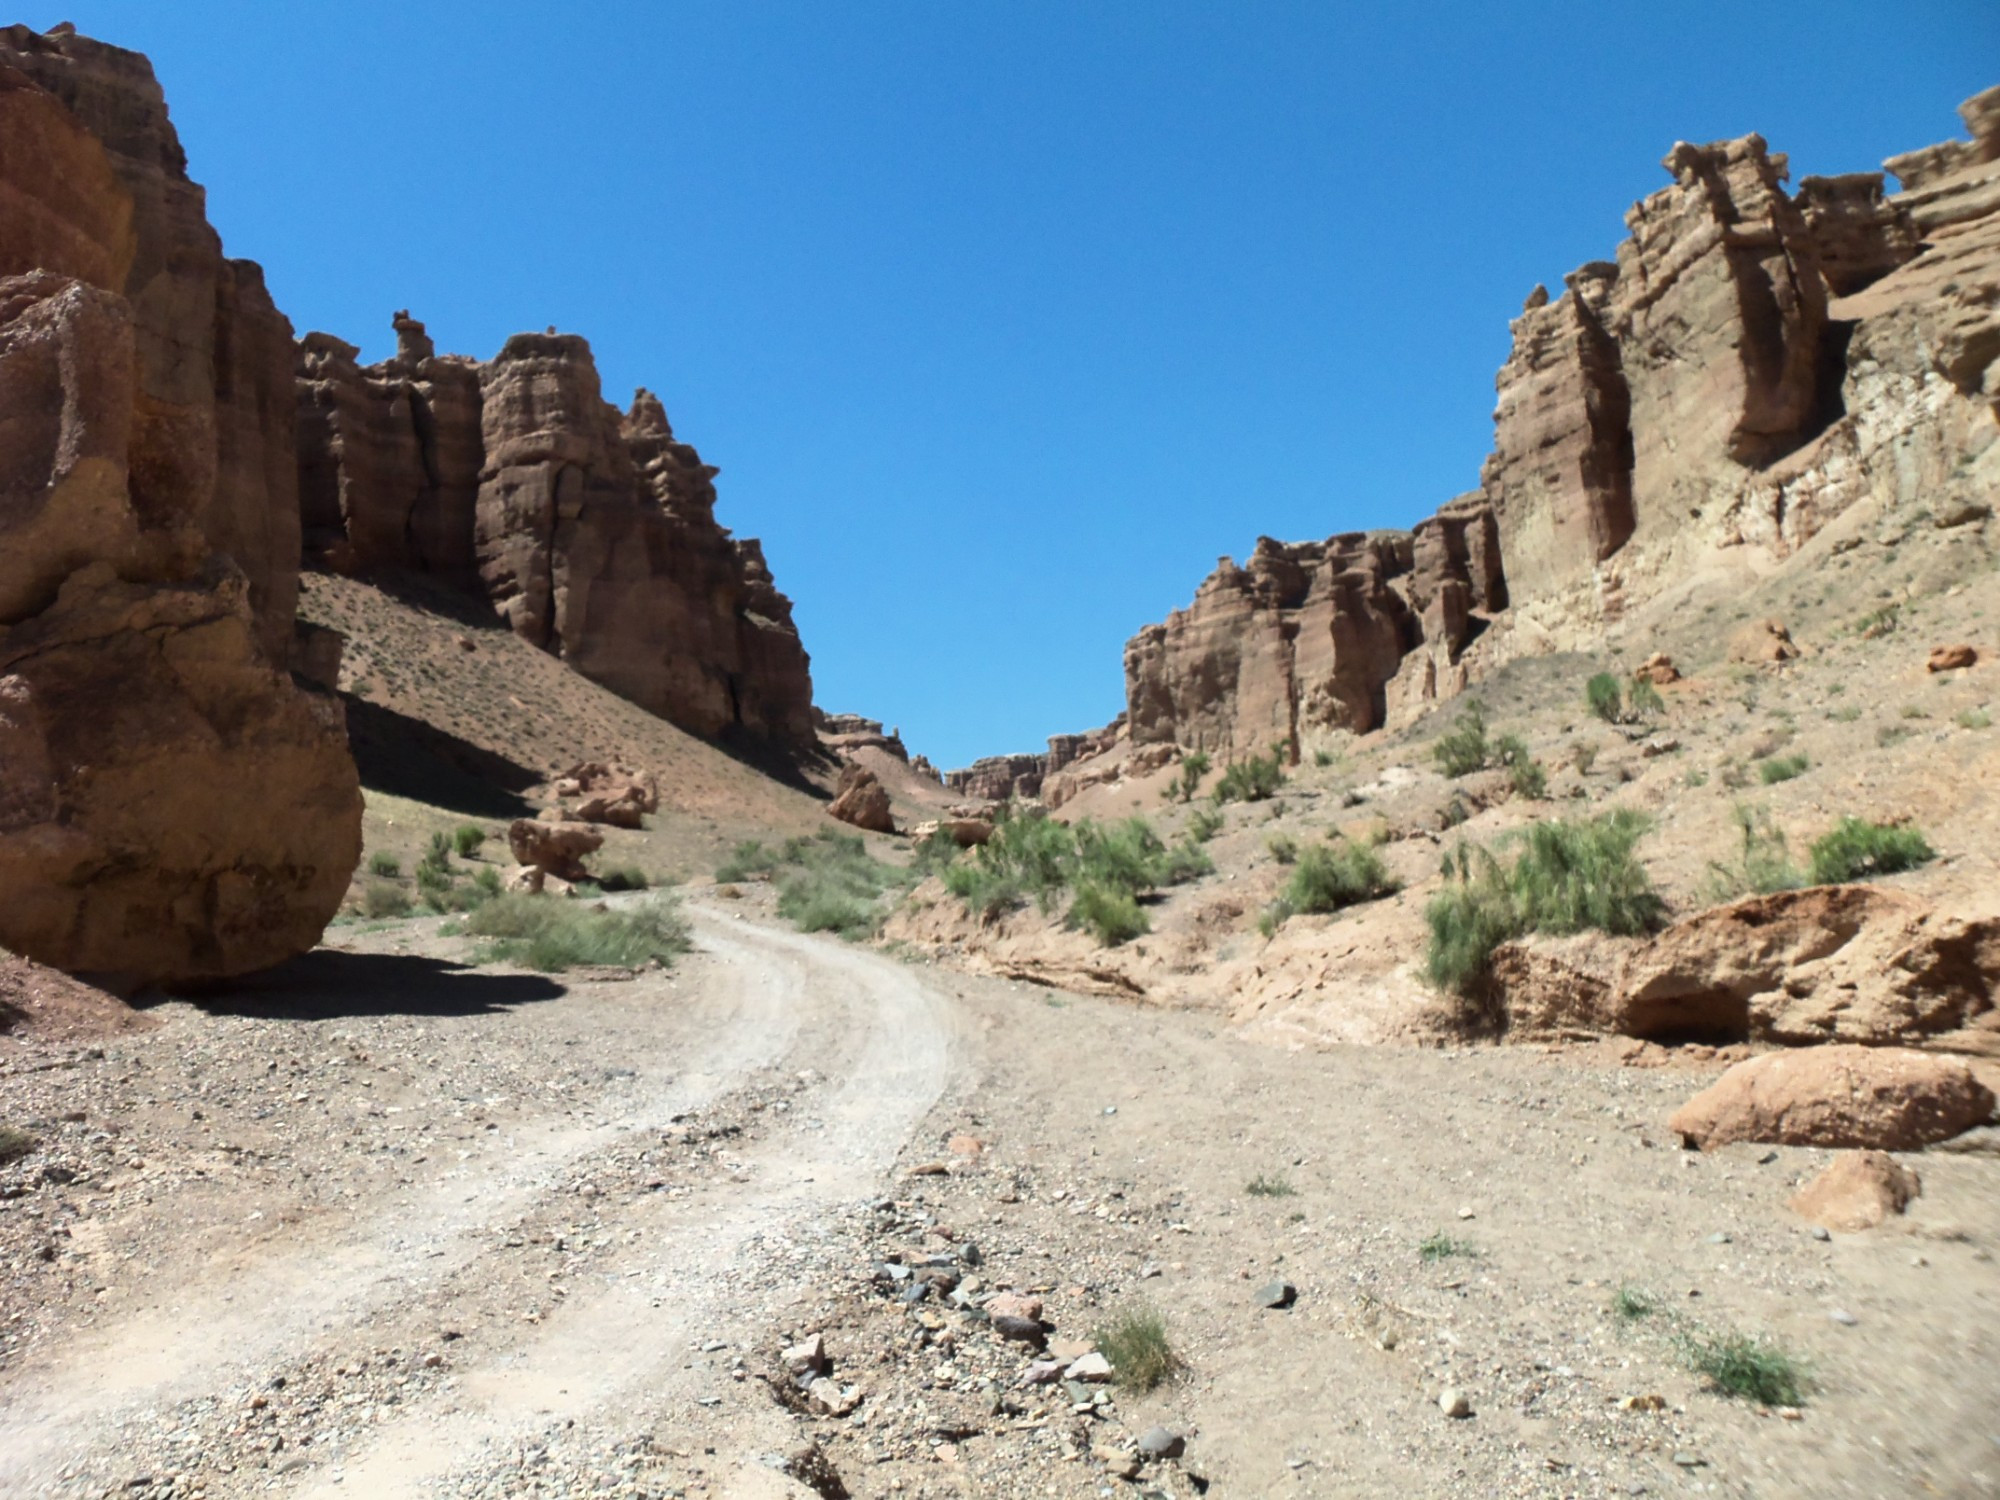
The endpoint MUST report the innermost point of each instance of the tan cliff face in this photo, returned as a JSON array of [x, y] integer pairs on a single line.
[[1754, 363], [592, 532], [149, 531]]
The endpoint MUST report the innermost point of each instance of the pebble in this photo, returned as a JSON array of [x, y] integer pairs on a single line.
[[1843, 1317], [1821, 1232], [1453, 1402], [1162, 1442], [1277, 1294], [1092, 1367]]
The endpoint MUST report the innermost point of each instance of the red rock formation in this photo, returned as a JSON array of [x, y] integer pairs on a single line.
[[863, 801], [999, 778], [1309, 636], [171, 805], [593, 533]]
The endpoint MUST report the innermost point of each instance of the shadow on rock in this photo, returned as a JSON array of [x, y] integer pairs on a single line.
[[326, 985]]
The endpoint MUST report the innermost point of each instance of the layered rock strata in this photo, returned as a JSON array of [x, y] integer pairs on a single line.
[[592, 531], [172, 805]]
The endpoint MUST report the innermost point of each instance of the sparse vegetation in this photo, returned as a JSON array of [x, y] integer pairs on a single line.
[[1857, 849], [1108, 867], [384, 866], [467, 838], [1111, 915], [379, 899], [749, 860], [1283, 848], [1604, 697], [16, 1143], [1203, 824], [1266, 1185], [1888, 735], [1974, 718], [1632, 1305], [1326, 878], [1194, 766], [1617, 702], [1643, 700], [1251, 780], [550, 934], [1782, 768], [1462, 749], [1324, 758], [1135, 1342], [624, 878], [1583, 755], [1765, 864], [1441, 1246], [1738, 1365], [1570, 874], [831, 883]]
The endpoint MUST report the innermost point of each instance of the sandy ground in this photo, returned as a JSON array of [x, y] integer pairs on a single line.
[[385, 1225]]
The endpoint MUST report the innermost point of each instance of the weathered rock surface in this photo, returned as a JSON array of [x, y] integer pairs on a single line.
[[1844, 963], [593, 532], [172, 806], [1312, 637], [553, 848], [1882, 1098], [611, 795], [863, 801], [1859, 1191]]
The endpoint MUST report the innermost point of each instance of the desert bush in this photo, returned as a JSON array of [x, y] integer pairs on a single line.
[[934, 855], [1764, 866], [1604, 697], [16, 1143], [1251, 780], [1441, 1246], [550, 934], [467, 839], [381, 899], [1462, 749], [1583, 755], [1135, 1342], [1631, 1304], [624, 878], [1274, 1185], [1738, 1365], [749, 860], [1324, 758], [1782, 768], [1857, 849], [1569, 875], [1283, 848], [831, 883], [1523, 770], [1643, 700], [386, 866], [1204, 823], [1194, 766], [1329, 877], [1974, 718], [1185, 861], [1108, 913]]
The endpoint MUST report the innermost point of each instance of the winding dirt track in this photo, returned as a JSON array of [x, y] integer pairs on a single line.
[[878, 1037]]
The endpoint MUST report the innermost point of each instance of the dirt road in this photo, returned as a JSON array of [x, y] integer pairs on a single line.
[[388, 1226]]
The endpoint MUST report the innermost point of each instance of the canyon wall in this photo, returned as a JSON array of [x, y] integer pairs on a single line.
[[592, 531], [172, 804], [1753, 363]]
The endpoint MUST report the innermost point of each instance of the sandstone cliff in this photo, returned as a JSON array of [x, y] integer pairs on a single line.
[[592, 532], [171, 804], [1752, 364]]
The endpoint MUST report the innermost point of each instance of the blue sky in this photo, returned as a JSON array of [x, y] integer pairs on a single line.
[[1003, 321]]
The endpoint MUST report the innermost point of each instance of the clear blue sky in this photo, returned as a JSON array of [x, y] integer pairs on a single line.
[[1003, 321]]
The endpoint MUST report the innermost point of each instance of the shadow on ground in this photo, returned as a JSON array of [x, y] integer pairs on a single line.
[[408, 758], [325, 985]]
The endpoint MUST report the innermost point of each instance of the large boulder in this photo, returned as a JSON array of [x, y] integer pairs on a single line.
[[172, 805], [1859, 1191], [1880, 1098], [553, 848], [863, 801]]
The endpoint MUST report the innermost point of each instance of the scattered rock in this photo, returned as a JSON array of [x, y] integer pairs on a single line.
[[1092, 1368], [1659, 669], [1454, 1403], [808, 1355], [1762, 641], [1859, 1191], [1162, 1442], [1886, 1098], [863, 801], [554, 848], [1277, 1294], [1950, 658]]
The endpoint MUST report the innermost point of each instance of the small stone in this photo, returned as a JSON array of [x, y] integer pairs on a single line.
[[1042, 1372], [1453, 1402], [1014, 1305], [1277, 1294], [832, 1398], [807, 1354], [1070, 1350], [1020, 1330], [1122, 1464], [1388, 1338], [1092, 1367], [1690, 1460], [1718, 1238], [1466, 1213], [1821, 1232], [1162, 1442], [1843, 1317]]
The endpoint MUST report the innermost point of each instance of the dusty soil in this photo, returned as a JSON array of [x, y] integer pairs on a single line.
[[383, 1224]]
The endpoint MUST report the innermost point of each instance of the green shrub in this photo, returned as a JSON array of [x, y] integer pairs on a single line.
[[15, 1143], [1204, 823], [1569, 875], [1766, 863], [624, 878], [1857, 849], [1135, 1342], [936, 854], [1583, 755], [1185, 861], [749, 860], [1604, 697], [1111, 915], [1329, 877], [1194, 766], [467, 838], [1974, 718], [1523, 770], [1252, 780], [1782, 768], [485, 885], [1632, 1305], [831, 883], [1274, 916], [550, 934], [1262, 1186], [1441, 1246], [1462, 749], [1737, 1365], [381, 899], [1643, 700], [1283, 847], [986, 892], [437, 854], [1324, 758], [385, 865]]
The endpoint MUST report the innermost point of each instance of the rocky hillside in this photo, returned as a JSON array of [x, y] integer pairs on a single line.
[[593, 533], [1753, 364], [149, 556]]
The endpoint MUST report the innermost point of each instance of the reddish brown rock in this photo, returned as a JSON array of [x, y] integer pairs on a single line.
[[554, 848], [999, 778], [1883, 1098], [1859, 1191], [863, 801], [610, 794], [1950, 658], [1859, 234], [1763, 641], [967, 833], [1658, 669], [171, 805]]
